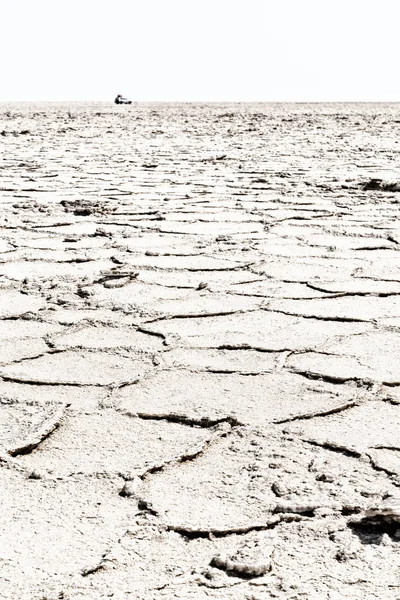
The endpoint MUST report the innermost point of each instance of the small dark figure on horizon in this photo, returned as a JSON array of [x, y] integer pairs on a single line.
[[121, 100]]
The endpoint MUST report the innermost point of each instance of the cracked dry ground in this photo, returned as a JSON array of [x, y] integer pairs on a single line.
[[199, 366]]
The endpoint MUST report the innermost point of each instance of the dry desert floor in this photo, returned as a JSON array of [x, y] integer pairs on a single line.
[[199, 352]]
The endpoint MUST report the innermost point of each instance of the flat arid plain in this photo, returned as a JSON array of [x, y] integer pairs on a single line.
[[200, 351]]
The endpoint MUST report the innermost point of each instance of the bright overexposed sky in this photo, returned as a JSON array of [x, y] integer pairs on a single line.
[[200, 50]]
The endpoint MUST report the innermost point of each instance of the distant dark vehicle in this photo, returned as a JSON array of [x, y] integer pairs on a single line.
[[121, 100]]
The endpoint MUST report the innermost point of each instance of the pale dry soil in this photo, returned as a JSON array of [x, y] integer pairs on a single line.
[[199, 358]]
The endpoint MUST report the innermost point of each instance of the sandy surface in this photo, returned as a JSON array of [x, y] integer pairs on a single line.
[[199, 359]]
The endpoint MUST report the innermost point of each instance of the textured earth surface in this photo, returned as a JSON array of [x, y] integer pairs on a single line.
[[199, 358]]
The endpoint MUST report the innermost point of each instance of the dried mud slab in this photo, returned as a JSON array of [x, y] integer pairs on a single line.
[[364, 356], [45, 269], [208, 229], [74, 518], [79, 398], [374, 424], [273, 289], [81, 368], [222, 361], [161, 243], [351, 308], [134, 295], [216, 280], [259, 329], [16, 350], [357, 286], [186, 263], [102, 337], [111, 443], [248, 480], [89, 315], [295, 270], [204, 304], [15, 304], [25, 329], [23, 339], [251, 399]]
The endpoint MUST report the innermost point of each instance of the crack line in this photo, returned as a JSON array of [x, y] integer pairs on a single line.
[[323, 413]]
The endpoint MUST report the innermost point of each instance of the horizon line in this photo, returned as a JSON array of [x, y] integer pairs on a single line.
[[207, 101]]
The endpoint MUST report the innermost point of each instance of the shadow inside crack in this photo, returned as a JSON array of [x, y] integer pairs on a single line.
[[371, 531]]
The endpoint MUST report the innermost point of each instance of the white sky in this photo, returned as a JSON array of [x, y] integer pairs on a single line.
[[200, 50]]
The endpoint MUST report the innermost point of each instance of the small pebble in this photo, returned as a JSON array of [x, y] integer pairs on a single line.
[[279, 489]]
